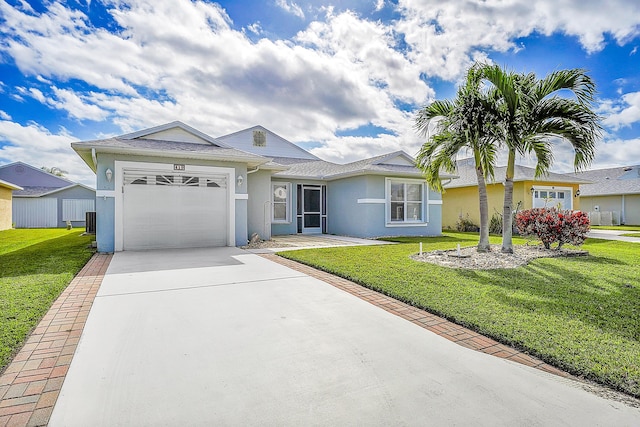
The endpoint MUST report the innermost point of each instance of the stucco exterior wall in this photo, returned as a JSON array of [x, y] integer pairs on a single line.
[[630, 215], [464, 201], [357, 207], [259, 204], [5, 208]]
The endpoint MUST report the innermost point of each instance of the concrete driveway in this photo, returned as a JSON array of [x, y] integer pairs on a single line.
[[224, 337]]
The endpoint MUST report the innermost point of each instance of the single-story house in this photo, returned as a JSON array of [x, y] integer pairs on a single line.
[[6, 205], [173, 186], [46, 200], [612, 196], [460, 198]]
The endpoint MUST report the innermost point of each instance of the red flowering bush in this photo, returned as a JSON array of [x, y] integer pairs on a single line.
[[550, 225]]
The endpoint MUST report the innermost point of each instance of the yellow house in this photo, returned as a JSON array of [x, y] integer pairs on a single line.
[[6, 203], [460, 199]]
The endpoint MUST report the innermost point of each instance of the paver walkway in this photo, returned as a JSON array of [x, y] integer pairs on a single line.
[[30, 385]]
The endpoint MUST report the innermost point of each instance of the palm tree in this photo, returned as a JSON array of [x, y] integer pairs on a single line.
[[464, 123], [533, 113]]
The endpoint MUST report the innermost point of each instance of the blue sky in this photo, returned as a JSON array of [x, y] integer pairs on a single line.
[[343, 79]]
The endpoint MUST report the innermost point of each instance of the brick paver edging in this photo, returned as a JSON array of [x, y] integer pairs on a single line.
[[30, 385], [446, 329]]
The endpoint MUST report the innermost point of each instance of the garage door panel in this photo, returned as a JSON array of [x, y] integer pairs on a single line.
[[168, 216]]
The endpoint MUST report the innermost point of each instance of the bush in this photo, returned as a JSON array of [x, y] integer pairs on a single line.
[[495, 225], [465, 224], [550, 225]]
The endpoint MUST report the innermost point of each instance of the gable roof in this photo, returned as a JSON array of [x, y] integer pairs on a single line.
[[175, 125], [611, 181], [47, 191], [183, 142], [24, 175], [36, 182], [275, 145], [467, 175]]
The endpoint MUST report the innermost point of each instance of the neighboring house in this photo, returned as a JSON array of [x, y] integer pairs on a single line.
[[173, 186], [613, 196], [460, 198], [6, 198], [46, 200]]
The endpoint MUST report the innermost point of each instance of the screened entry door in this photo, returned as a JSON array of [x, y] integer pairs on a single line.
[[312, 208]]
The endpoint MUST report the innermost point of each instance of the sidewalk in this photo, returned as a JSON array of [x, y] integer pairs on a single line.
[[30, 385]]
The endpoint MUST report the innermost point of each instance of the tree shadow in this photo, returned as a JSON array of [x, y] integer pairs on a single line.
[[559, 287], [55, 256]]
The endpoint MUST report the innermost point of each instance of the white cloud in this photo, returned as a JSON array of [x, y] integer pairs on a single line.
[[37, 146], [379, 5], [623, 112], [446, 35], [183, 60], [291, 8], [4, 115], [255, 28]]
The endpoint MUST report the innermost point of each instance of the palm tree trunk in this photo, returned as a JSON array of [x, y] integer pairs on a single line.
[[507, 217], [483, 244]]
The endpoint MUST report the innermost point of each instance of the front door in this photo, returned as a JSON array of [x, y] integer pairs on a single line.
[[311, 209]]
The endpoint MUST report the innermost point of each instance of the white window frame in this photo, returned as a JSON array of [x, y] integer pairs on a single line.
[[425, 202], [287, 219], [538, 188]]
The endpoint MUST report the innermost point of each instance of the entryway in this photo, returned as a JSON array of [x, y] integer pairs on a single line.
[[312, 209]]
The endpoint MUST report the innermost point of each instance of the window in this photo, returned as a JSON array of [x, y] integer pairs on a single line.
[[405, 201], [280, 197], [554, 197]]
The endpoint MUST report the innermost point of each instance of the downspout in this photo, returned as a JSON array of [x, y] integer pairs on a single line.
[[95, 159], [253, 171], [622, 215]]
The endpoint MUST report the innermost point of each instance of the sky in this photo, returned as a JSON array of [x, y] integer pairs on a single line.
[[342, 79]]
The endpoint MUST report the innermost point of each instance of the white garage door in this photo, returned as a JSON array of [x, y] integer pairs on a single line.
[[166, 210]]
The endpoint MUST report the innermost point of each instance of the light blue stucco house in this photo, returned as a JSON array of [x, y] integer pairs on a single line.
[[173, 186], [46, 200]]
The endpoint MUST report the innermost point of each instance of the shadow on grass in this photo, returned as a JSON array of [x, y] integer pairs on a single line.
[[567, 288], [65, 254]]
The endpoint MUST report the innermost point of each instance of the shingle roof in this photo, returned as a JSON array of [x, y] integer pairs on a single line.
[[173, 148], [612, 181], [43, 191], [320, 169], [467, 175]]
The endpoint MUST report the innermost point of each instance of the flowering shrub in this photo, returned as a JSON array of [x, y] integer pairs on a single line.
[[551, 225]]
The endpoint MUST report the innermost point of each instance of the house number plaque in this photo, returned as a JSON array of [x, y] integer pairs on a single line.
[[178, 167]]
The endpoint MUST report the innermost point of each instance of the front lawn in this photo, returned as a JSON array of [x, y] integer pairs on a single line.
[[580, 314], [631, 234], [35, 267]]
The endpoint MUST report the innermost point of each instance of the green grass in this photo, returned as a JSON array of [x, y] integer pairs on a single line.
[[35, 267], [580, 314], [617, 227], [631, 234]]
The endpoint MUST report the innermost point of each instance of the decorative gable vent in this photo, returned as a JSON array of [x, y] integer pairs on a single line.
[[259, 138]]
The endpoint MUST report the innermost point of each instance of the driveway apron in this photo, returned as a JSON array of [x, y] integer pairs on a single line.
[[220, 336]]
